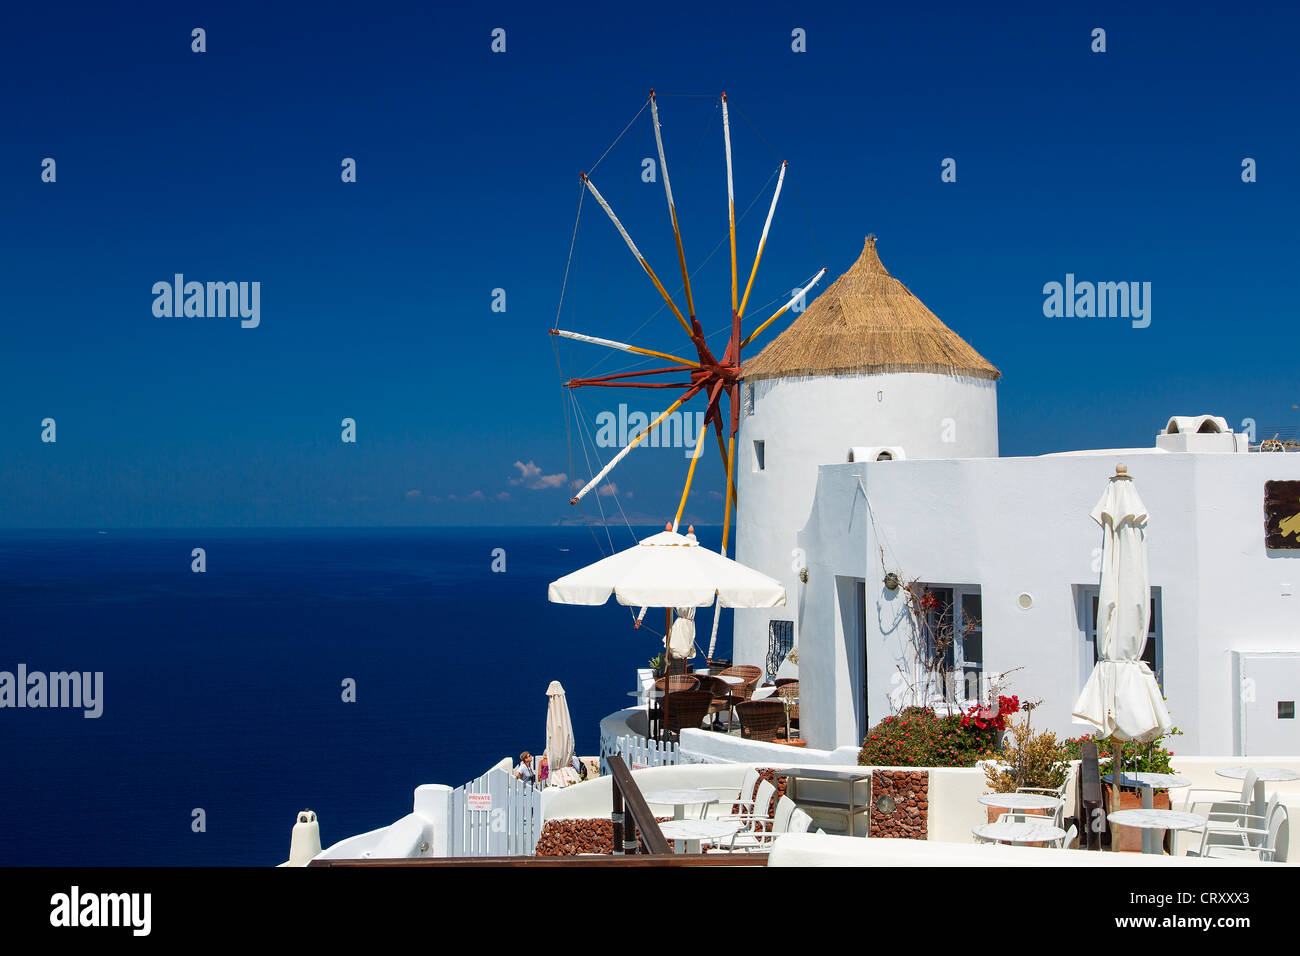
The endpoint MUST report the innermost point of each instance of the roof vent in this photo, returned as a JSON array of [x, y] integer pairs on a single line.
[[860, 453], [1197, 424], [1201, 433]]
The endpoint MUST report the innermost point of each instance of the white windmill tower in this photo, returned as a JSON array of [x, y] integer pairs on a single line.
[[866, 372]]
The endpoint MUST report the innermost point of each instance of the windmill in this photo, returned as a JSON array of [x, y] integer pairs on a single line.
[[707, 375]]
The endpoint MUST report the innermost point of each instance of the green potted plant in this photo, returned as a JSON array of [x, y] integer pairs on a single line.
[[791, 711], [659, 665], [1035, 759], [1150, 757]]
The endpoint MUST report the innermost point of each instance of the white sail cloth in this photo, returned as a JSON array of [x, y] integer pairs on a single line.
[[668, 570], [1121, 697], [559, 737]]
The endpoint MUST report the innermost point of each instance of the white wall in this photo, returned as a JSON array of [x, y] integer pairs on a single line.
[[807, 422], [1014, 525]]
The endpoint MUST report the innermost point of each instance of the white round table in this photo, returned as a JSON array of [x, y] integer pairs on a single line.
[[1021, 801], [689, 833], [680, 799], [1018, 832], [1150, 781], [1263, 775], [1147, 784], [1147, 819]]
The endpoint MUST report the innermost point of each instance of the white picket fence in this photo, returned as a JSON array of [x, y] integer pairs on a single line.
[[495, 815], [638, 752]]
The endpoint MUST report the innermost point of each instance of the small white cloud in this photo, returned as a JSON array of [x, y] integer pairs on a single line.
[[413, 494], [530, 476]]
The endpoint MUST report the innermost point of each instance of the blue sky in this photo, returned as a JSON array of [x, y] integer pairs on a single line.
[[376, 295]]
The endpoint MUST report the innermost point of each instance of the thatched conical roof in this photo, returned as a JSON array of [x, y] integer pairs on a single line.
[[867, 321]]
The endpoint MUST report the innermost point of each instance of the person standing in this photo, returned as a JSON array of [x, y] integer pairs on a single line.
[[525, 771], [544, 773]]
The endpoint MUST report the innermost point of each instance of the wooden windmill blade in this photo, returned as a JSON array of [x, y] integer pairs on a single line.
[[708, 374]]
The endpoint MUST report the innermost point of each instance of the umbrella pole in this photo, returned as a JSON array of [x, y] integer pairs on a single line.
[[1116, 771]]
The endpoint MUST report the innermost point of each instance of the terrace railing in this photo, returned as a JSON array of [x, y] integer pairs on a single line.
[[638, 752]]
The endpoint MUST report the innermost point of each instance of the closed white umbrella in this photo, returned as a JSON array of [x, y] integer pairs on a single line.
[[1121, 698], [668, 570], [681, 636], [559, 736]]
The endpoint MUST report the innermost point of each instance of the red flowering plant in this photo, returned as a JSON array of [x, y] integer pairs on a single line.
[[918, 737], [993, 715]]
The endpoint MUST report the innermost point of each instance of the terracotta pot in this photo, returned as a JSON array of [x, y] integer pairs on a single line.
[[1130, 838]]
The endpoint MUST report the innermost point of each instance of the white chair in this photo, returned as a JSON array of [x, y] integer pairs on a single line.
[[1058, 818], [1262, 841], [787, 819], [1219, 806], [1066, 841], [758, 821], [729, 797]]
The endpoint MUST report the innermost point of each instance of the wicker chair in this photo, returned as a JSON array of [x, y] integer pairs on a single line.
[[750, 674], [677, 682], [685, 709], [761, 719], [722, 697]]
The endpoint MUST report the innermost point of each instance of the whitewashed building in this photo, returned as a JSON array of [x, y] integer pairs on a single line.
[[864, 456]]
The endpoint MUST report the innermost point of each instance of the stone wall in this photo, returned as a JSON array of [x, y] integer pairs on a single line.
[[911, 792], [574, 837]]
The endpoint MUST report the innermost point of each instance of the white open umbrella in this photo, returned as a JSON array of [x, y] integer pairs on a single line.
[[559, 737], [668, 570], [1121, 698]]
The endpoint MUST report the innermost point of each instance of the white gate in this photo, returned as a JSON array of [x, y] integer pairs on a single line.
[[495, 815]]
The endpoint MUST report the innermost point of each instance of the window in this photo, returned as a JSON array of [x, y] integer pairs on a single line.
[[780, 638], [954, 636], [1153, 653], [747, 398], [760, 456]]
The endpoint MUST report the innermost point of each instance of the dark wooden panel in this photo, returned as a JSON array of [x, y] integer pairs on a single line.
[[1282, 515]]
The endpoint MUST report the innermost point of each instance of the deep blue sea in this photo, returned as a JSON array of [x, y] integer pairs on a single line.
[[223, 690]]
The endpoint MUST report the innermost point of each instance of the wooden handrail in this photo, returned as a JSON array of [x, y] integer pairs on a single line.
[[628, 801]]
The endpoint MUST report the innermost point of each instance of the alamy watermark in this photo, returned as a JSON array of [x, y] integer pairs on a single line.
[[80, 689], [1102, 300], [76, 908], [678, 430], [212, 300]]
